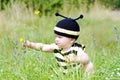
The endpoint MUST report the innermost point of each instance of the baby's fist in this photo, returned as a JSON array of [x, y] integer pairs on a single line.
[[25, 43]]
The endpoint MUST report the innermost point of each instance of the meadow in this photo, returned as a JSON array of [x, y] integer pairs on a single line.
[[100, 32]]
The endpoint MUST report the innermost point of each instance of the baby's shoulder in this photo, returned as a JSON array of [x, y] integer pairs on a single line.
[[82, 46]]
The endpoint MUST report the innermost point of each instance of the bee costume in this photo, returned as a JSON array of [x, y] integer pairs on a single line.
[[63, 58], [68, 27]]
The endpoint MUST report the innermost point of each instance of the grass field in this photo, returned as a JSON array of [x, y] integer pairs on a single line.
[[100, 32]]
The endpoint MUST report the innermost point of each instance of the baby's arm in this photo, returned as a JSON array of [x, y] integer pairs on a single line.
[[84, 59], [39, 46], [81, 57]]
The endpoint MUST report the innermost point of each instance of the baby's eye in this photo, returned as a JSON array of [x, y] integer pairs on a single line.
[[58, 36]]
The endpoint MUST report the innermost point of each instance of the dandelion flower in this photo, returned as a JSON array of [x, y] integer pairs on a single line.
[[36, 12], [21, 39]]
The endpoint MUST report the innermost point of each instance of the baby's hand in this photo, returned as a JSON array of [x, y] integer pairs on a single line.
[[25, 43]]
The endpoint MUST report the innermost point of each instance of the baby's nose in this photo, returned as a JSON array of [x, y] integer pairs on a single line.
[[56, 39]]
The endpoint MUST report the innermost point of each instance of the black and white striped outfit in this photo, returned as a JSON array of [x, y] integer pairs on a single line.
[[63, 58]]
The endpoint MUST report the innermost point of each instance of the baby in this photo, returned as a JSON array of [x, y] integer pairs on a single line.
[[68, 53]]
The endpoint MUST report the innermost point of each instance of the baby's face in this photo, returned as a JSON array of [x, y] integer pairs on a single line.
[[63, 42]]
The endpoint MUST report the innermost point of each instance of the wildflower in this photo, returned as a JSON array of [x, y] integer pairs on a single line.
[[21, 39], [118, 74], [115, 28], [113, 73], [51, 75], [16, 42], [36, 12], [38, 56], [116, 33], [118, 69], [107, 78], [24, 51]]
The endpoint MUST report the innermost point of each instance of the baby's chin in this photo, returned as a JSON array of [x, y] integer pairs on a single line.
[[59, 46]]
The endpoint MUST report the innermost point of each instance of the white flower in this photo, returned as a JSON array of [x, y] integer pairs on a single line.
[[118, 74]]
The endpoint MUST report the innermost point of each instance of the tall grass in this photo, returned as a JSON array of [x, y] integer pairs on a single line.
[[100, 31]]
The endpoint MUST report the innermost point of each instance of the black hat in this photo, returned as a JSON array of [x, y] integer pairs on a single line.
[[68, 27]]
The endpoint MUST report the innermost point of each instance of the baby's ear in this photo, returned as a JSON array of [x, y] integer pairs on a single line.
[[72, 40]]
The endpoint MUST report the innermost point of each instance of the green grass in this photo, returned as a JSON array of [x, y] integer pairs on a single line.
[[97, 33]]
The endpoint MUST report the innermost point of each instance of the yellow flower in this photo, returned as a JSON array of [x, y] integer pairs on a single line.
[[21, 39], [36, 12]]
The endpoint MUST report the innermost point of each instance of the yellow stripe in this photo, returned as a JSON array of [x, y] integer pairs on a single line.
[[59, 56], [66, 31], [62, 63]]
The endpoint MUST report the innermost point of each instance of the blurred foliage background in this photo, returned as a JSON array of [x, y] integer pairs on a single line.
[[51, 6]]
